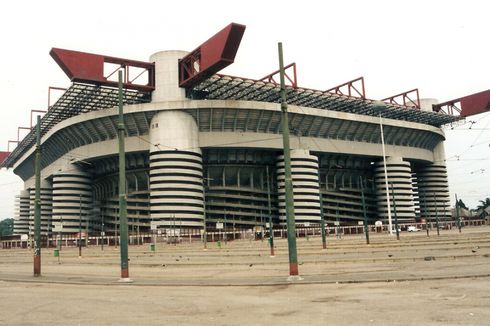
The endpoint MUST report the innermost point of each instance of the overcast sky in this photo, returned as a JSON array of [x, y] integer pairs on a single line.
[[439, 47]]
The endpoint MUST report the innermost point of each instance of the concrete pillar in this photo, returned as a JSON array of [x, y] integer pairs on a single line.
[[433, 187], [167, 76], [426, 104], [176, 177], [433, 192], [69, 187], [400, 175], [306, 190], [46, 207], [21, 219]]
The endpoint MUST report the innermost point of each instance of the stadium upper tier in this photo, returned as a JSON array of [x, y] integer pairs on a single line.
[[81, 98]]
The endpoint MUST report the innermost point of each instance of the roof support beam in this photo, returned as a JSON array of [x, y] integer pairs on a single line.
[[210, 57]]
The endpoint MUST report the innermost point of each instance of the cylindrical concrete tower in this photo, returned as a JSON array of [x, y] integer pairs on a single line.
[[167, 76], [399, 175], [306, 190], [72, 200], [22, 204], [433, 192], [426, 104], [176, 177], [46, 207]]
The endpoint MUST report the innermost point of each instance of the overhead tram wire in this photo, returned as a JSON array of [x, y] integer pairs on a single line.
[[10, 183], [470, 121], [313, 138], [218, 144], [474, 143], [466, 129], [467, 149]]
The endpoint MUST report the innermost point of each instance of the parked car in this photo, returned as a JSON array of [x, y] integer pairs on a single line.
[[412, 228]]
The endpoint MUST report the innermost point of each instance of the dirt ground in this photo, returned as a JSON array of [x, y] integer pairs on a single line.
[[415, 281]]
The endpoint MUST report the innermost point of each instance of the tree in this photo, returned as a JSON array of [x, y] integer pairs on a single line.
[[461, 204], [484, 204], [6, 227]]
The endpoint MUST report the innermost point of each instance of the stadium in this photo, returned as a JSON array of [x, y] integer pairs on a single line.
[[203, 148]]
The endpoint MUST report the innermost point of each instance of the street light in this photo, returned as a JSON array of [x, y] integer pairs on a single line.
[[80, 229], [394, 209], [322, 218], [204, 233], [271, 229], [288, 183], [102, 233], [382, 105], [437, 215], [366, 227]]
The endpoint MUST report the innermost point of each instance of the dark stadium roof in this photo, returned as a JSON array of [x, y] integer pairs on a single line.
[[224, 87], [81, 98], [77, 99]]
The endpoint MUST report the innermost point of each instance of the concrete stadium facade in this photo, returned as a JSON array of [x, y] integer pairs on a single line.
[[193, 160]]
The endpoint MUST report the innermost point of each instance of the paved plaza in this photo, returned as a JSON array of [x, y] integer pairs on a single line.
[[436, 280]]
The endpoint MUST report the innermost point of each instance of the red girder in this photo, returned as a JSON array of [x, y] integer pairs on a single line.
[[18, 131], [407, 100], [351, 88], [468, 105], [210, 57], [36, 111], [293, 81], [3, 156], [89, 68], [7, 153], [49, 93], [11, 142]]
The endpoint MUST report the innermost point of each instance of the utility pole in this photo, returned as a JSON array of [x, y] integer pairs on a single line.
[[337, 222], [458, 218], [174, 239], [102, 233], [437, 215], [386, 175], [61, 233], [116, 235], [394, 210], [225, 236], [37, 202], [271, 229], [87, 222], [425, 212], [366, 227], [322, 217], [59, 238], [261, 226], [204, 234], [80, 228], [288, 184], [123, 214]]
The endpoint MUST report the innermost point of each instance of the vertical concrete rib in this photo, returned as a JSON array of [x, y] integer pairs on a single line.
[[400, 175], [72, 190], [306, 190], [176, 172], [21, 220], [46, 207]]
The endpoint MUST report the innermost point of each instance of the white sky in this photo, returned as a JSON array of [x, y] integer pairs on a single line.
[[439, 47]]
